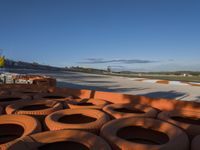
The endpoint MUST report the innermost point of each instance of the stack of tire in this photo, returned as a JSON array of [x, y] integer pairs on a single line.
[[45, 119], [37, 80], [42, 119]]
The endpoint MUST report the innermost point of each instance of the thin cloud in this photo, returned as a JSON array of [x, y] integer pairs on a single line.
[[123, 61]]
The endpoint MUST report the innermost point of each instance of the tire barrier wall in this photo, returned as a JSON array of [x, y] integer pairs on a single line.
[[92, 120], [159, 103]]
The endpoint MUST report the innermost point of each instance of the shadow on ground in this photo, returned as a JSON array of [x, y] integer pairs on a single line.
[[111, 88], [197, 99], [166, 94]]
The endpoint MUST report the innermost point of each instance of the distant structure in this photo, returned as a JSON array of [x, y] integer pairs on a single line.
[[186, 75], [112, 69], [109, 69]]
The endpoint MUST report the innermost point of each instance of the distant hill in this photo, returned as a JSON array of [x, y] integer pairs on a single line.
[[34, 65], [27, 65], [86, 70]]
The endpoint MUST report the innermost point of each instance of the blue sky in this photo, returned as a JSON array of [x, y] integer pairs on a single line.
[[144, 35]]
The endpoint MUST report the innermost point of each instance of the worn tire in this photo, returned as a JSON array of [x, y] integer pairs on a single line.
[[13, 127], [74, 140], [130, 110], [87, 103], [83, 119], [137, 133], [60, 97], [13, 98], [195, 145], [36, 108], [53, 96], [187, 120]]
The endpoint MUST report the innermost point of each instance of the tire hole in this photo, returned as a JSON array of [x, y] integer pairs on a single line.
[[9, 132], [76, 119], [29, 92], [34, 107], [9, 99], [188, 120], [142, 135], [85, 104], [54, 97], [126, 110]]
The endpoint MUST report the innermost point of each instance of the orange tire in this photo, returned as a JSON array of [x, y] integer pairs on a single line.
[[54, 96], [60, 97], [187, 120], [36, 108], [45, 82], [65, 139], [195, 145], [130, 110], [83, 119], [14, 127], [87, 103], [137, 133], [13, 98]]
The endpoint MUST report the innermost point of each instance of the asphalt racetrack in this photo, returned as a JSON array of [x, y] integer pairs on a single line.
[[121, 85]]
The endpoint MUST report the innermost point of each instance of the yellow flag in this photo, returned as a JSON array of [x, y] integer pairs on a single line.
[[2, 61]]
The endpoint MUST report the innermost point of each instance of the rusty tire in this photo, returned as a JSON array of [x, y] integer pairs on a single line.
[[60, 97], [36, 108], [195, 145], [53, 96], [72, 139], [83, 119], [45, 82], [12, 98], [14, 127], [130, 110], [144, 134], [87, 103], [187, 120]]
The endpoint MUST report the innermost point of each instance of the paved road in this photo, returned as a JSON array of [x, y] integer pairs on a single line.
[[124, 85]]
